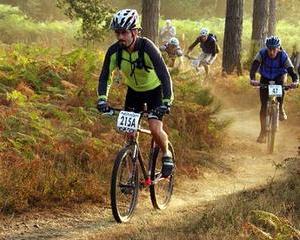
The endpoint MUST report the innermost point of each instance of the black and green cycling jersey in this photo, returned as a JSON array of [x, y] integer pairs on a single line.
[[152, 74]]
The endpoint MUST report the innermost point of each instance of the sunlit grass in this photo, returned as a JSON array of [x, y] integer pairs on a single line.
[[15, 26]]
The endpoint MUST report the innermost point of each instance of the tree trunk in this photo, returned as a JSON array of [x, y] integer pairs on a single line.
[[150, 19], [259, 26], [233, 36], [272, 18]]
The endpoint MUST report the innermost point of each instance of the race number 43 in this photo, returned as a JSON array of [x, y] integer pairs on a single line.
[[128, 121], [275, 90]]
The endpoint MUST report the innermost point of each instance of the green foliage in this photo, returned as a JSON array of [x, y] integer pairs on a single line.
[[15, 26], [16, 97], [94, 14], [204, 97], [37, 9], [286, 11], [43, 69], [51, 145]]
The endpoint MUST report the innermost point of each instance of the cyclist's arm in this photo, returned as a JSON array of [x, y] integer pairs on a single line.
[[290, 69], [162, 31], [179, 52], [255, 65], [105, 75], [163, 48], [193, 44], [173, 31], [160, 70]]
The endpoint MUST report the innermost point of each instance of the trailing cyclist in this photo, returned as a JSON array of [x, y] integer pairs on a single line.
[[146, 76], [167, 32], [209, 46], [172, 50], [296, 59], [273, 64]]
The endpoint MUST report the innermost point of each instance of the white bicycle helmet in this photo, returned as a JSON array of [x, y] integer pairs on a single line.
[[125, 19], [204, 32], [174, 41]]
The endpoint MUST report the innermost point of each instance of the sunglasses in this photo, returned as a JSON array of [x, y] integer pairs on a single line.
[[121, 32]]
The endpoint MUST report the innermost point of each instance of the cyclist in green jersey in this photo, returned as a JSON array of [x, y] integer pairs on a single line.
[[146, 76]]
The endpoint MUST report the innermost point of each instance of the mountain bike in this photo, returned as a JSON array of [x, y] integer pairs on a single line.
[[194, 63], [272, 117], [129, 164]]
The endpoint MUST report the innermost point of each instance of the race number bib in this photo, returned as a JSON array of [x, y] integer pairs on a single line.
[[128, 121], [275, 90]]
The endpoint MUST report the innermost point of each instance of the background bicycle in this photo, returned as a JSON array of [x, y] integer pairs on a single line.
[[275, 91]]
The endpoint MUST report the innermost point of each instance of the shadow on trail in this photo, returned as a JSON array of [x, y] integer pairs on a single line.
[[227, 217], [48, 228]]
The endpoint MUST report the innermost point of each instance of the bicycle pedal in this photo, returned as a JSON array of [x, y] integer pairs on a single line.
[[148, 181], [158, 175], [126, 190]]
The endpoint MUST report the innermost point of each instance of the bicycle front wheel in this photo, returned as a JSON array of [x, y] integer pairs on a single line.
[[162, 188], [124, 186]]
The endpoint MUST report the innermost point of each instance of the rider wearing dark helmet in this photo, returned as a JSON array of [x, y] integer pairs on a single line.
[[273, 64]]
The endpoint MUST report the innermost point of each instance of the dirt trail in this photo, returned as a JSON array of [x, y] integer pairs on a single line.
[[245, 166]]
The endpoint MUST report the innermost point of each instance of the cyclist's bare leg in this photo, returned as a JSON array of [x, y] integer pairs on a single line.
[[263, 109], [206, 68], [283, 81], [159, 135], [171, 62], [161, 138]]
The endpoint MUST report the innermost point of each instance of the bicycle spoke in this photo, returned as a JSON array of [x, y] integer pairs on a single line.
[[162, 188], [124, 186]]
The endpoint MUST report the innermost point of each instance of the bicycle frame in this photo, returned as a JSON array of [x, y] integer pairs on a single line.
[[133, 141], [272, 105], [272, 116]]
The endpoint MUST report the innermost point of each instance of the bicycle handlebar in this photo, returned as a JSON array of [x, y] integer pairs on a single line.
[[285, 87], [189, 57], [114, 111]]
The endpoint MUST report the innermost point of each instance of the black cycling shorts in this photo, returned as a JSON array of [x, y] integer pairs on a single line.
[[135, 101]]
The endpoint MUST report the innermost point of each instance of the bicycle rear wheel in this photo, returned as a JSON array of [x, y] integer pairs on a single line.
[[162, 188], [124, 186], [272, 130]]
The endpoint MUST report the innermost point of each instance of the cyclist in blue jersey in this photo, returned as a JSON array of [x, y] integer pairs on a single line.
[[273, 64]]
